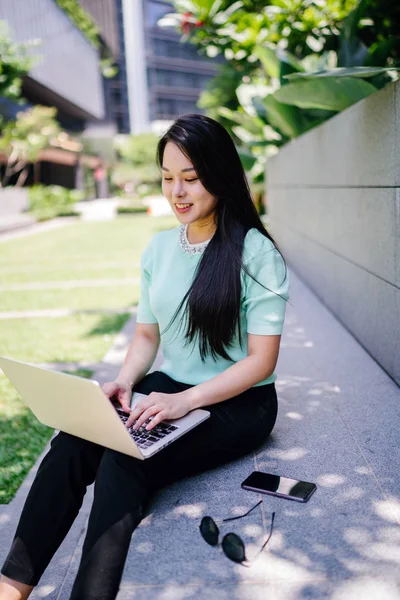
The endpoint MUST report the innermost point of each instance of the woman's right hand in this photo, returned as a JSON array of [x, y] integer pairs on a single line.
[[122, 392]]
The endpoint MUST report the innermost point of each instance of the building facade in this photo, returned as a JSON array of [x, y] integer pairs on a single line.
[[55, 80], [167, 76], [66, 74], [108, 17]]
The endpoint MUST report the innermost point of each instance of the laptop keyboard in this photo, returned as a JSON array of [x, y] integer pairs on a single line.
[[144, 438]]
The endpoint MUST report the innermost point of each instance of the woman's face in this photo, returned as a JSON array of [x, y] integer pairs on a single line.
[[188, 198]]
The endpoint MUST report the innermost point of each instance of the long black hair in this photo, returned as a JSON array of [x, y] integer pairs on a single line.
[[213, 299]]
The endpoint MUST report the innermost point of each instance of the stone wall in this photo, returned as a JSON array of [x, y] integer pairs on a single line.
[[334, 206]]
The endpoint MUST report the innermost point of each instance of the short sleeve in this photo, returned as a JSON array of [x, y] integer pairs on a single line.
[[265, 309], [144, 312]]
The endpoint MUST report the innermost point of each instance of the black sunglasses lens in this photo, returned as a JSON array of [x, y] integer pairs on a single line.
[[209, 531], [233, 547]]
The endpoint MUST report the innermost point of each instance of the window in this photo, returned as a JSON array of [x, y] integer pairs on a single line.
[[154, 11], [169, 78], [171, 108], [172, 49]]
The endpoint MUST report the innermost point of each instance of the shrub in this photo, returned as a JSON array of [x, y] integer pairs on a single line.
[[131, 210], [50, 201], [137, 170]]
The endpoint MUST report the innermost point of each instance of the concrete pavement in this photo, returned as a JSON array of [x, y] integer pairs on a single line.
[[337, 426]]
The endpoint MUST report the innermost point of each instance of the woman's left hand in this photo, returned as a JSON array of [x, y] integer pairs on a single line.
[[160, 406]]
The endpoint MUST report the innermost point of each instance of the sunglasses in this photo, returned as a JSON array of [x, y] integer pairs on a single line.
[[232, 545]]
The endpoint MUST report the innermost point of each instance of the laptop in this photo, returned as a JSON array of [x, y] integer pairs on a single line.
[[79, 406]]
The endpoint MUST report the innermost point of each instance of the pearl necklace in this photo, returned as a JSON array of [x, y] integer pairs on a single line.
[[185, 244]]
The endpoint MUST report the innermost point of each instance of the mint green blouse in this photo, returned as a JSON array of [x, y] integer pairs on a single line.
[[166, 275]]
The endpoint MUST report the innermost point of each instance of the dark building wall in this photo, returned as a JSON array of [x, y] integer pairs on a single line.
[[54, 174], [176, 73], [55, 78], [119, 83], [104, 14], [107, 15]]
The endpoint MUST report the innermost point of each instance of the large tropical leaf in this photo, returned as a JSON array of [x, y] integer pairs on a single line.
[[351, 53], [245, 136], [215, 7], [350, 24], [247, 158], [253, 124], [269, 60], [289, 59], [273, 60], [286, 119], [264, 143], [362, 72], [327, 93], [219, 18], [379, 51]]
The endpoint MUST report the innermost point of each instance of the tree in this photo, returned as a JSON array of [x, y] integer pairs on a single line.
[[300, 61], [15, 63], [138, 153], [234, 28], [23, 139]]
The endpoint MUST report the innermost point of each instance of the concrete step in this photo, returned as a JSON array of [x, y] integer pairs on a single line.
[[14, 222]]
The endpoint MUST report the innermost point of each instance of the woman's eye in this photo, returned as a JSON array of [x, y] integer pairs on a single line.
[[188, 180]]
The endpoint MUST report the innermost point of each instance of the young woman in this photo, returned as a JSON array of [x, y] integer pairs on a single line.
[[213, 294]]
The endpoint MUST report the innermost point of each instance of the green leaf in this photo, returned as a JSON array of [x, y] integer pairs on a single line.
[[269, 60], [244, 135], [82, 20], [247, 158], [253, 124], [263, 143], [350, 23], [224, 15], [379, 51], [351, 53], [284, 118], [340, 72], [328, 93], [216, 7], [259, 107], [277, 62], [288, 58]]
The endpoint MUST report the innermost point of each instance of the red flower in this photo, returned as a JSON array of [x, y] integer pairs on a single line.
[[188, 23]]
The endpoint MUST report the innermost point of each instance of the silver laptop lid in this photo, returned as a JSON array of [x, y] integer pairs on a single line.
[[73, 404]]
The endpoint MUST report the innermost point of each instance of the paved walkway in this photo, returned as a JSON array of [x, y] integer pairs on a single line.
[[67, 285], [8, 233], [53, 266], [17, 225], [63, 312], [338, 426]]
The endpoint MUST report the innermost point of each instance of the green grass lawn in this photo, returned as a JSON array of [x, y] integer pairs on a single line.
[[49, 271], [119, 240], [22, 438], [108, 297], [81, 251], [76, 338]]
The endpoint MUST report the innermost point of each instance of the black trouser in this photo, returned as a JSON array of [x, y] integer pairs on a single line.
[[123, 485]]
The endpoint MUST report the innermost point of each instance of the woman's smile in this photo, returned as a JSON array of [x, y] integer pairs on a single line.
[[183, 207]]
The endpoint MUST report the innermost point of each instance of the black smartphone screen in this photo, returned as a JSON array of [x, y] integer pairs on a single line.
[[267, 483]]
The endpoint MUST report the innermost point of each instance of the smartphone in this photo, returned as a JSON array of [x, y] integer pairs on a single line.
[[266, 483]]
